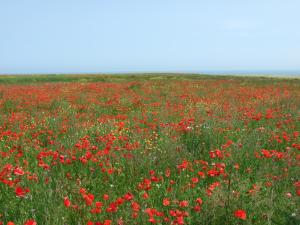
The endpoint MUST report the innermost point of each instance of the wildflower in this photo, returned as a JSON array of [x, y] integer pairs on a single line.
[[199, 201], [197, 208], [107, 222], [241, 214], [135, 206], [89, 198], [18, 171], [98, 204], [145, 195], [184, 203], [67, 202], [166, 202], [105, 197], [20, 192], [195, 180], [128, 196], [30, 222]]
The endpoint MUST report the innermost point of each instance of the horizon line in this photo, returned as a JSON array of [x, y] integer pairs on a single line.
[[262, 73]]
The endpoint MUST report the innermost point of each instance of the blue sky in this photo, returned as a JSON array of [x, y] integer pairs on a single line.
[[67, 36]]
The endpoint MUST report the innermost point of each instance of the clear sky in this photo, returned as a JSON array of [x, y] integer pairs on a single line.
[[66, 36]]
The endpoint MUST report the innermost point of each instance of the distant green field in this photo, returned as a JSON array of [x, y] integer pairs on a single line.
[[126, 77]]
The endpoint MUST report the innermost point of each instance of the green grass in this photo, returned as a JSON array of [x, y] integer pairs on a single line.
[[154, 134]]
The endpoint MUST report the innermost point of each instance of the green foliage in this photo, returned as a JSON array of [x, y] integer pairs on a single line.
[[120, 132]]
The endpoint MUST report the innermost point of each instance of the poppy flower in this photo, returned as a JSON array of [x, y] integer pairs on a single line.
[[241, 214], [128, 196], [145, 195], [197, 208], [135, 206], [18, 171], [105, 196], [20, 192], [199, 201], [30, 222], [184, 203], [166, 202], [98, 204], [67, 202], [107, 222], [195, 180]]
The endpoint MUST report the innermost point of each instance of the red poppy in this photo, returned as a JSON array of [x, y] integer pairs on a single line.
[[241, 214], [107, 222], [67, 202], [128, 196], [195, 180], [197, 208], [98, 204], [20, 192], [30, 222], [199, 201], [184, 203], [135, 206], [105, 196], [19, 172], [166, 202], [145, 195]]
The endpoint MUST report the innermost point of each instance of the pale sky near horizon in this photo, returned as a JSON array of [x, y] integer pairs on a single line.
[[90, 36]]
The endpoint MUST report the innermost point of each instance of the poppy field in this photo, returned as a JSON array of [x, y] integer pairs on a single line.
[[149, 150]]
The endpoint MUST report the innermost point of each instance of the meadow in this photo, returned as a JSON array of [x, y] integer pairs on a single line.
[[149, 149]]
